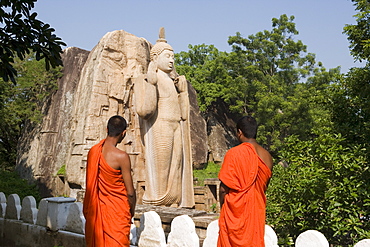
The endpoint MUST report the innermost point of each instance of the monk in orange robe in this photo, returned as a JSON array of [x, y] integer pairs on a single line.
[[110, 197], [244, 175]]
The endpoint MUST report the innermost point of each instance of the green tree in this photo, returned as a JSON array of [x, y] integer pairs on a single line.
[[11, 183], [316, 122], [359, 34], [271, 77], [269, 62], [206, 68], [325, 187], [21, 33], [351, 104], [23, 102], [268, 75]]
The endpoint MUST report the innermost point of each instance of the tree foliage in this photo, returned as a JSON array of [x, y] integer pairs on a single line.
[[11, 183], [351, 108], [206, 68], [21, 33], [315, 121], [325, 187], [268, 75], [359, 34], [23, 102]]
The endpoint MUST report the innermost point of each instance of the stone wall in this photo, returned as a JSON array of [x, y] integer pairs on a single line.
[[59, 221], [206, 197]]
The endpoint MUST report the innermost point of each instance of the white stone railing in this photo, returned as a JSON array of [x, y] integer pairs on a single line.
[[58, 221]]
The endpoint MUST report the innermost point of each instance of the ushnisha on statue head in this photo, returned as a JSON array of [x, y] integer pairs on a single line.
[[161, 58], [160, 46]]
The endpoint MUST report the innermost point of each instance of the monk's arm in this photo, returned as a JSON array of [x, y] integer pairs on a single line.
[[127, 179], [222, 192], [267, 158]]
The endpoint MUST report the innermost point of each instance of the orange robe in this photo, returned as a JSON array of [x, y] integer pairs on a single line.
[[106, 207], [242, 217]]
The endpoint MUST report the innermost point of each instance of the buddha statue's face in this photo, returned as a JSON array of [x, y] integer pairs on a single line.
[[165, 61]]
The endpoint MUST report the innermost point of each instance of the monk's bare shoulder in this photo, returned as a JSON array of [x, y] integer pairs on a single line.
[[122, 157], [120, 154], [264, 155], [116, 158]]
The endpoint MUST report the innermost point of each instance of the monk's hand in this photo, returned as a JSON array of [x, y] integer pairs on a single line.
[[181, 84]]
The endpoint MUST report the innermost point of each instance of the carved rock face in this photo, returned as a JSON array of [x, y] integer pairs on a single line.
[[95, 86], [106, 89]]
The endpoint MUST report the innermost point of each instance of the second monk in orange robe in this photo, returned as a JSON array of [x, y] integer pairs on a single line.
[[109, 202], [245, 173]]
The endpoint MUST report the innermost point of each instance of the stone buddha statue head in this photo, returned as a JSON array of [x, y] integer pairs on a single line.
[[158, 48], [162, 54], [161, 58]]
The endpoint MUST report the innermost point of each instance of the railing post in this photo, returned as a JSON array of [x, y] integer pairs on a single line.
[[57, 212]]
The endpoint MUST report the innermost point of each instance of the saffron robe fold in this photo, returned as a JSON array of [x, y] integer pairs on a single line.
[[106, 206], [242, 217]]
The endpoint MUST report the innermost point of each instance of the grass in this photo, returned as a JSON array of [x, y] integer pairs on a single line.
[[210, 171], [11, 183]]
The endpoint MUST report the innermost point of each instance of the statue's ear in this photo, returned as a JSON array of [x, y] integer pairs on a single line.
[[155, 58]]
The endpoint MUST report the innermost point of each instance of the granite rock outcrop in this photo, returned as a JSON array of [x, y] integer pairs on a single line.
[[42, 150], [95, 86]]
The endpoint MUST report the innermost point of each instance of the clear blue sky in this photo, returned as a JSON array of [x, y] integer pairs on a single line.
[[82, 23]]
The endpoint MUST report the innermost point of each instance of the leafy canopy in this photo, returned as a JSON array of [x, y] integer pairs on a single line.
[[351, 108], [315, 121], [359, 34], [268, 75], [21, 33], [23, 102], [205, 67], [324, 186]]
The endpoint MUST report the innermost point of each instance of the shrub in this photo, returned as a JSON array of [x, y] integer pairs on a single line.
[[210, 171], [325, 187], [11, 183]]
